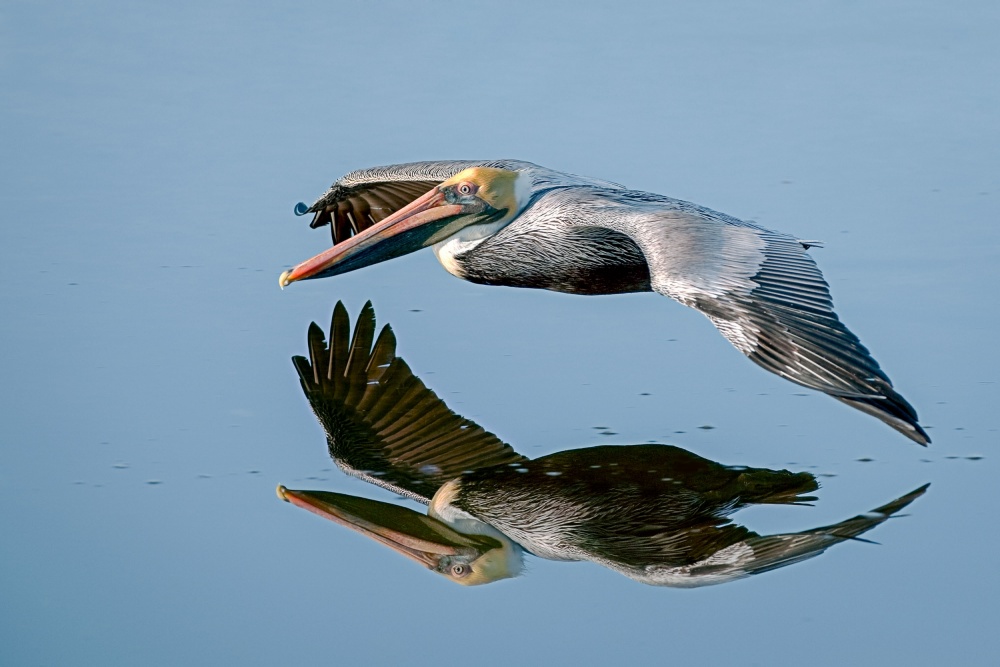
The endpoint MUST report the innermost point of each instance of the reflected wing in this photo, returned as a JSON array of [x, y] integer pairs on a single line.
[[754, 554], [364, 197], [759, 288], [382, 424]]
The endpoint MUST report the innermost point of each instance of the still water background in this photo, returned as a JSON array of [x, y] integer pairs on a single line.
[[151, 159]]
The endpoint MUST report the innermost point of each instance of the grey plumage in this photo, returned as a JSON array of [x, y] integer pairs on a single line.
[[759, 287]]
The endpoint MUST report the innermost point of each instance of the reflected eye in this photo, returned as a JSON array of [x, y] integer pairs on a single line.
[[459, 570], [466, 188]]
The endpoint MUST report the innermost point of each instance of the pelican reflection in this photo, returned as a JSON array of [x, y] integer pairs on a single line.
[[654, 513]]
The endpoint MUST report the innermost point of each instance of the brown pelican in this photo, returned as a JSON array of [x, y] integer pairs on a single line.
[[507, 222], [655, 513]]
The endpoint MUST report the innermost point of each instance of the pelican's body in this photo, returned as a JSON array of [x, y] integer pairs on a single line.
[[537, 249], [655, 513], [513, 223]]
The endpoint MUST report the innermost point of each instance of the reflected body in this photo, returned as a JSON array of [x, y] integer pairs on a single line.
[[655, 513], [507, 222]]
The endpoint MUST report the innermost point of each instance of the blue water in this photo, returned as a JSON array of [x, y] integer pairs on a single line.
[[150, 161]]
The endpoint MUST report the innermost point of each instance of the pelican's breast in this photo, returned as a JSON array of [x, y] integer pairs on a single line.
[[545, 248]]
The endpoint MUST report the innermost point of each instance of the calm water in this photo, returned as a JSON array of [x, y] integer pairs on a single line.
[[151, 158]]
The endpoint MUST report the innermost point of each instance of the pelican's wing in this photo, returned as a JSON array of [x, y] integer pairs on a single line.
[[754, 554], [366, 196], [382, 424], [759, 288]]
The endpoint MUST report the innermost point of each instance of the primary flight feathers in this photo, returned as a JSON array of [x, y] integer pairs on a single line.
[[382, 423]]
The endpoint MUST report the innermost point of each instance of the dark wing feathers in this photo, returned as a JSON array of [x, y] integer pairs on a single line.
[[760, 288], [768, 297], [733, 552], [797, 335], [358, 208], [773, 551], [382, 424]]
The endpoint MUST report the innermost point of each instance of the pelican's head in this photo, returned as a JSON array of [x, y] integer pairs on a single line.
[[471, 205], [467, 559]]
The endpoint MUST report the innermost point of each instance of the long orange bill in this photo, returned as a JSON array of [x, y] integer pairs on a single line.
[[416, 536], [401, 233]]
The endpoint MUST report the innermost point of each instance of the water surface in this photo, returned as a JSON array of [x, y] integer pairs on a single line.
[[152, 157]]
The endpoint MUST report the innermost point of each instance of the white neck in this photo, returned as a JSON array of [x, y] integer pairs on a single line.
[[447, 250], [441, 509], [469, 237]]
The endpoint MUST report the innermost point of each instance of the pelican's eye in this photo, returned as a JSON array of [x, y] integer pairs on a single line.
[[465, 188], [460, 570]]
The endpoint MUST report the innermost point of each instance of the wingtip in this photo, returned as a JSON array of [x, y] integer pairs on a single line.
[[367, 312], [912, 431], [315, 332], [339, 315], [893, 411], [893, 507], [916, 433]]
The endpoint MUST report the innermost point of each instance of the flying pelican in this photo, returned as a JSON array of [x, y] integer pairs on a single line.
[[507, 222], [654, 513]]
